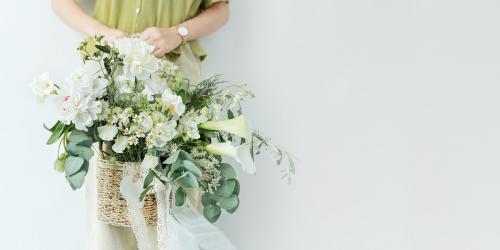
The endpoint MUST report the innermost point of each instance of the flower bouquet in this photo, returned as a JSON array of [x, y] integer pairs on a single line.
[[128, 106]]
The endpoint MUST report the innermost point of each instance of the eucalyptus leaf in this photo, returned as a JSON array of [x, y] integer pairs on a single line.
[[226, 188], [174, 167], [227, 171], [78, 136], [172, 158], [185, 156], [230, 204], [191, 167], [188, 180], [212, 213], [180, 197], [237, 187], [80, 150], [72, 165], [208, 198], [76, 180]]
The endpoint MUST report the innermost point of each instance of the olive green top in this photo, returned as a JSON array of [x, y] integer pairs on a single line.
[[134, 16]]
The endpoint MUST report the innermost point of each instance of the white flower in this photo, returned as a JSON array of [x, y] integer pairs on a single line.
[[138, 59], [92, 85], [241, 154], [168, 68], [133, 140], [121, 144], [124, 84], [188, 124], [163, 133], [107, 132], [43, 87], [238, 126], [77, 99], [80, 109], [145, 121], [105, 111], [154, 86], [172, 103]]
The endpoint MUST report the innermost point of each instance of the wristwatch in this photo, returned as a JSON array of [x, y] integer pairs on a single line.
[[183, 32]]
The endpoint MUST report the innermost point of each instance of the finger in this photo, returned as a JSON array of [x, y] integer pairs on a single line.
[[147, 33], [159, 53], [151, 40]]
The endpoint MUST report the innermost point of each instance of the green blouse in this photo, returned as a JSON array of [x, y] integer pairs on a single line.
[[134, 16]]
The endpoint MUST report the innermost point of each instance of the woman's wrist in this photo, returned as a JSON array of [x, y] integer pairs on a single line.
[[175, 34]]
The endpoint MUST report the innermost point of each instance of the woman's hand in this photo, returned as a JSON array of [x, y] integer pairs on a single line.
[[163, 39], [110, 34]]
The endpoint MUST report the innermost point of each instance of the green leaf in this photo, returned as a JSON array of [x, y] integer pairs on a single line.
[[230, 114], [227, 171], [56, 134], [172, 158], [174, 167], [72, 165], [80, 150], [191, 167], [149, 179], [102, 48], [51, 129], [226, 188], [78, 136], [185, 156], [212, 213], [237, 187], [230, 204], [180, 197], [145, 192], [76, 180], [208, 198], [188, 180]]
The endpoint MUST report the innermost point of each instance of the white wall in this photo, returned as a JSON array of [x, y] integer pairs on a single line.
[[391, 105]]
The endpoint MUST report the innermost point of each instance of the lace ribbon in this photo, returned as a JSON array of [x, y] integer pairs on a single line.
[[178, 228]]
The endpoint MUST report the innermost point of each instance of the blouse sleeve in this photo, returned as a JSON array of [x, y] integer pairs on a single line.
[[207, 3]]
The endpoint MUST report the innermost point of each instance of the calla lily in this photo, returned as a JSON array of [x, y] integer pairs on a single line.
[[238, 126], [241, 154], [107, 132]]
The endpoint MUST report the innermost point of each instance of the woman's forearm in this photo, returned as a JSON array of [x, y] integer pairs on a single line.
[[73, 15], [208, 21]]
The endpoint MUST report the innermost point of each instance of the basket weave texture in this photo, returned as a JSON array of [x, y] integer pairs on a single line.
[[111, 206]]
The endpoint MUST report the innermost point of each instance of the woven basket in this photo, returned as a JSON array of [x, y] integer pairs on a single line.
[[111, 206]]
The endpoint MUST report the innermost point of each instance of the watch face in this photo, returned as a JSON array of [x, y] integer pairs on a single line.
[[183, 31]]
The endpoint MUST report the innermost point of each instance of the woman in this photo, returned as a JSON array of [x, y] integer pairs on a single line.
[[172, 27]]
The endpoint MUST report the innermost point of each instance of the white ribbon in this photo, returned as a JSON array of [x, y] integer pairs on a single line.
[[178, 228]]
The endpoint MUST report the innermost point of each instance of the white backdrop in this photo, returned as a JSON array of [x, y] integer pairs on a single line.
[[391, 105]]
